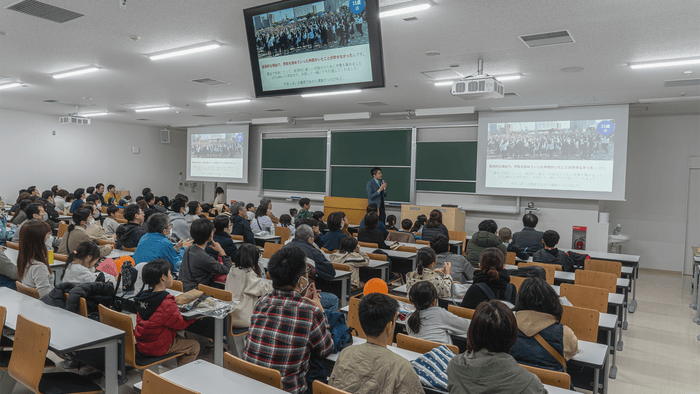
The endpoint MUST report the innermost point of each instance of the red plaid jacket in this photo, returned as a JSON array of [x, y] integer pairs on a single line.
[[284, 330]]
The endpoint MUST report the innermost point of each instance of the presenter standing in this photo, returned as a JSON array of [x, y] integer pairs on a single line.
[[376, 192]]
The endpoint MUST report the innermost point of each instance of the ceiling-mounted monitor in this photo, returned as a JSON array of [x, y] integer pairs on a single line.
[[312, 46]]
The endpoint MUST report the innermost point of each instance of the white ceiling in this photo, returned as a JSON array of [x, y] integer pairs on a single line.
[[608, 34]]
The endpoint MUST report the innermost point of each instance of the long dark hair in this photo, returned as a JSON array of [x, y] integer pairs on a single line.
[[435, 219], [261, 210], [424, 258], [493, 327], [32, 246], [247, 256], [420, 220], [490, 261], [422, 295], [85, 250], [536, 295], [79, 216]]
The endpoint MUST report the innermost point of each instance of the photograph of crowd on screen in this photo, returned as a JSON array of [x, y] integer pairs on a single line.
[[312, 27], [226, 145], [552, 140]]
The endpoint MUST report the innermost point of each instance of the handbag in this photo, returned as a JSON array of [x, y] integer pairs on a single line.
[[432, 367], [551, 350]]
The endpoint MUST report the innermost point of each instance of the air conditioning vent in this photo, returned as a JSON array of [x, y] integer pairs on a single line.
[[44, 11], [203, 116], [210, 82], [682, 82], [372, 103], [544, 39]]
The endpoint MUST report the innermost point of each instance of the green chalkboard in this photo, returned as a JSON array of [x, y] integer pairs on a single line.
[[294, 153], [458, 187], [352, 182], [455, 161], [371, 148], [295, 180]]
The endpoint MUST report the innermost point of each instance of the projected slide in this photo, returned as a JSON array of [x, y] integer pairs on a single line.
[[577, 152], [218, 153], [319, 44], [559, 155]]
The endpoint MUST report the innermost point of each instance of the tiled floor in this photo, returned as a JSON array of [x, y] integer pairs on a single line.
[[661, 352]]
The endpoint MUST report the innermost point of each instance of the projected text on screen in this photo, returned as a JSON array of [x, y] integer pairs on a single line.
[[576, 155]]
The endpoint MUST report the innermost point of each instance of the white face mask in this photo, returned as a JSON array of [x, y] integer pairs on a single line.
[[96, 215], [99, 206], [49, 243], [90, 223], [45, 217]]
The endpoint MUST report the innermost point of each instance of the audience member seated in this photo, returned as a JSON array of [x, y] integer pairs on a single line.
[[80, 196], [111, 193], [391, 223], [34, 211], [245, 283], [80, 266], [304, 213], [60, 201], [380, 226], [96, 231], [8, 272], [99, 192], [484, 238], [240, 223], [23, 195], [293, 213], [335, 234], [350, 254], [430, 321], [303, 239], [94, 199], [486, 366], [419, 225], [198, 267], [370, 232], [462, 271], [20, 215], [505, 235], [491, 281], [319, 238], [551, 255], [286, 221], [406, 227], [538, 312], [110, 224], [158, 319], [371, 368], [151, 201], [156, 245], [222, 236], [440, 277], [262, 222], [47, 197], [70, 198], [77, 233], [33, 269], [250, 211], [128, 235], [194, 210], [272, 216], [528, 239], [208, 210], [288, 325], [180, 226], [319, 216], [434, 226]]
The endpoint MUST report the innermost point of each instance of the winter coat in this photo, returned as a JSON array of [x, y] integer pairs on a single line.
[[485, 372], [180, 227], [355, 260], [129, 235], [554, 256], [224, 239], [324, 269], [430, 232], [246, 287], [157, 322], [480, 241], [474, 295], [241, 226], [198, 267], [95, 293], [528, 240]]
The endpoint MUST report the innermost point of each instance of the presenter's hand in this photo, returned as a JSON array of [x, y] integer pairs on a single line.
[[382, 187]]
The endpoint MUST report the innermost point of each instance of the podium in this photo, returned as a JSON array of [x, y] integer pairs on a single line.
[[452, 218], [354, 208]]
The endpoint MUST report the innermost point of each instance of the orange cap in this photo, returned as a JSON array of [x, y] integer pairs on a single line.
[[376, 285]]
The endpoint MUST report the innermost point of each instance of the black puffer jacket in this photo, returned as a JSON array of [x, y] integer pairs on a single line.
[[95, 293], [241, 226], [129, 235]]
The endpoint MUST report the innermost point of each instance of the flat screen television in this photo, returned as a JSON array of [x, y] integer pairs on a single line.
[[313, 46]]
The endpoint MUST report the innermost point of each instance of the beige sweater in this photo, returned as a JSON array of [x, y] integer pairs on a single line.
[[246, 287], [355, 261], [78, 236]]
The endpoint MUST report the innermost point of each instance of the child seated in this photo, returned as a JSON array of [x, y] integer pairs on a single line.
[[286, 221], [429, 321], [426, 259], [250, 211], [245, 284], [293, 212], [158, 318], [80, 265], [110, 224], [486, 366], [406, 226], [506, 236], [319, 216], [350, 254], [551, 255], [371, 368], [391, 223]]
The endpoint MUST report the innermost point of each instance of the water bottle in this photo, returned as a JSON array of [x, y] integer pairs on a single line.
[[272, 230]]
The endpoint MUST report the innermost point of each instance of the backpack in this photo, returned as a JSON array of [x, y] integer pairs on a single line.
[[578, 258], [529, 272], [490, 294], [340, 332], [128, 275]]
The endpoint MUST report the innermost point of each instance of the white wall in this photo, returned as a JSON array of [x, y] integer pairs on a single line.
[[82, 155], [654, 214]]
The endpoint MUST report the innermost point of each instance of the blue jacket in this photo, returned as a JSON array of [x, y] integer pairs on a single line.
[[332, 239], [75, 204], [529, 352], [157, 246], [373, 194], [226, 242], [380, 227]]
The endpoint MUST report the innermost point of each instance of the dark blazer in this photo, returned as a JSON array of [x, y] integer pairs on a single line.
[[518, 252], [373, 194], [373, 236], [529, 240]]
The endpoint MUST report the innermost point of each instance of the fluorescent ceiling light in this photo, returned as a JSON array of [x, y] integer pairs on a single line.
[[77, 71], [270, 120], [405, 8], [149, 109], [511, 77], [95, 114], [230, 102], [665, 63], [444, 111], [10, 85], [238, 122], [668, 99], [331, 93], [525, 107], [444, 83], [350, 116], [206, 46]]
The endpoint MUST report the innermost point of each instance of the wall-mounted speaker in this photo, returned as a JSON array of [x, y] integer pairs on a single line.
[[165, 136]]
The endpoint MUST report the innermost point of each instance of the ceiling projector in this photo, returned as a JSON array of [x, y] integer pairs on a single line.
[[73, 119], [478, 87]]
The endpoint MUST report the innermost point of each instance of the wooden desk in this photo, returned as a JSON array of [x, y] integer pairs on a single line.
[[57, 267], [69, 332]]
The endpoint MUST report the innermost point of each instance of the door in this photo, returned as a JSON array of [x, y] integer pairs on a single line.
[[692, 234]]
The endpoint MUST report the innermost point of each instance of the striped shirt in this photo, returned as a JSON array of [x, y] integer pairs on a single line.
[[284, 331]]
